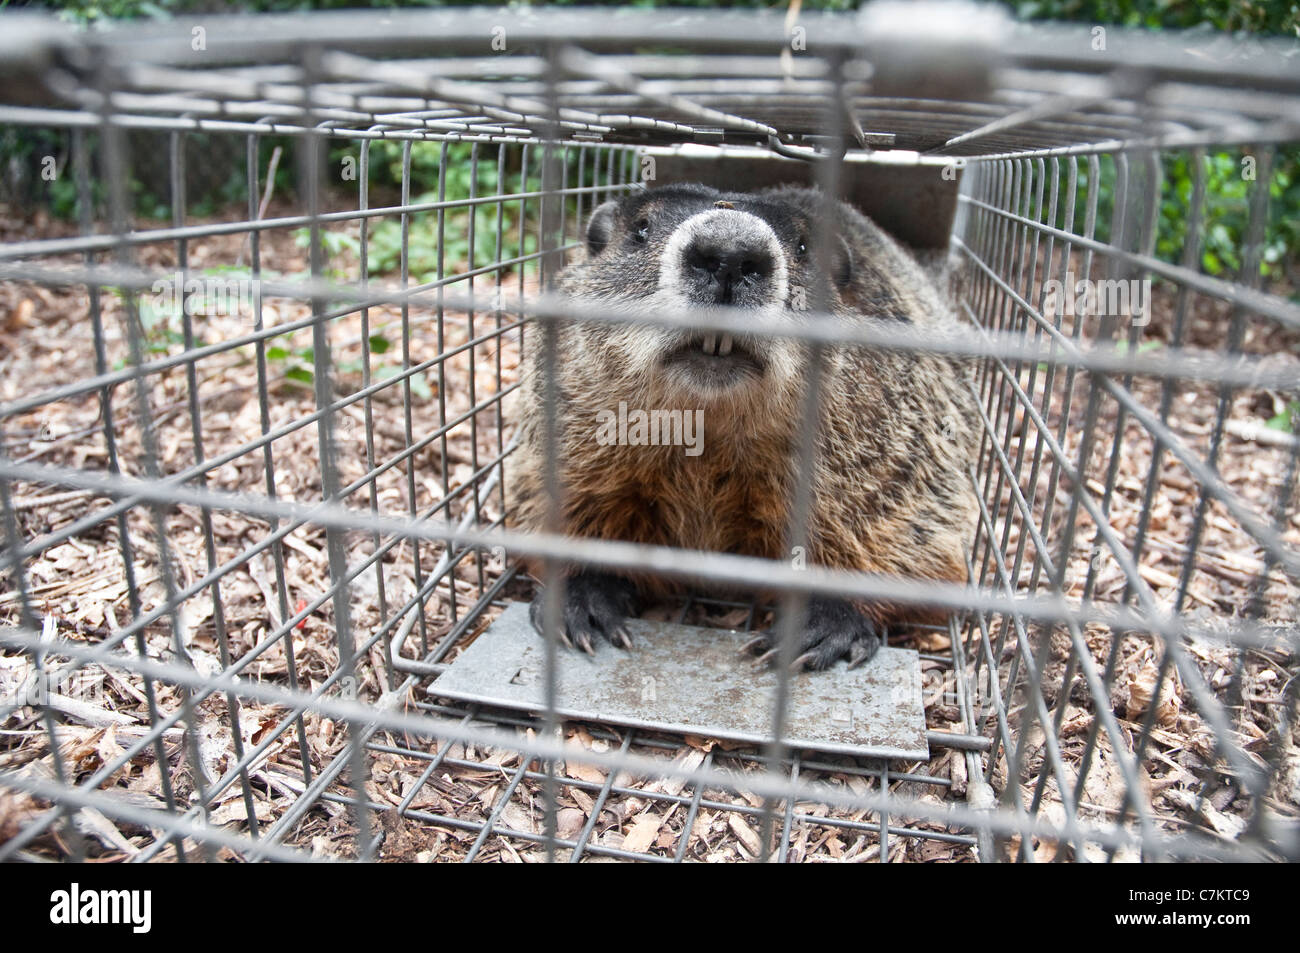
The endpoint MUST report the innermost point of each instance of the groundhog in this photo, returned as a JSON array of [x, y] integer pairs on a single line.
[[890, 490]]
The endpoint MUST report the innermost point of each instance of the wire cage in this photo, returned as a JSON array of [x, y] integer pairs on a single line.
[[254, 456]]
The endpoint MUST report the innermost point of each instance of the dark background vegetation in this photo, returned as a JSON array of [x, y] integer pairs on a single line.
[[216, 180], [1262, 16]]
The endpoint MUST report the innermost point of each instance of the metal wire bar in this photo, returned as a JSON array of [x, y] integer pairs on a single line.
[[114, 171], [177, 156], [1058, 411], [544, 748], [92, 243], [1204, 473], [1108, 359], [723, 568]]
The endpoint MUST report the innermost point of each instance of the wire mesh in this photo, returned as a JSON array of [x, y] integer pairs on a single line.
[[253, 476]]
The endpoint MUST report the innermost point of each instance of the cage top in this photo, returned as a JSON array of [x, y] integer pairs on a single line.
[[943, 78]]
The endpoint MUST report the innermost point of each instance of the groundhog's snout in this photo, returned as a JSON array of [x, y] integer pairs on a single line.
[[729, 258], [723, 272], [726, 257]]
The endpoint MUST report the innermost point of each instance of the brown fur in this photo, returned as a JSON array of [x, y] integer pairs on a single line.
[[890, 490]]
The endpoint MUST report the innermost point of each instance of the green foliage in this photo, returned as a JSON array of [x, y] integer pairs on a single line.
[[89, 11], [1225, 215], [161, 327], [299, 364], [450, 170], [1121, 347], [460, 180], [215, 171], [1227, 210], [1285, 420], [333, 245], [1255, 16], [24, 151], [1229, 187]]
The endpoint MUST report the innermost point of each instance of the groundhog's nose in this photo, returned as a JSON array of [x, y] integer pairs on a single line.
[[721, 270], [725, 256]]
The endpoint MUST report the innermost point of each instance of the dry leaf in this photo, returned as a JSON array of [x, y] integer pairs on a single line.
[[642, 833], [583, 800], [748, 836], [688, 760], [513, 815], [234, 811], [584, 772], [568, 821], [1141, 687]]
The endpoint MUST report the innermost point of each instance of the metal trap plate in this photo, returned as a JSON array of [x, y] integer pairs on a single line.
[[685, 679]]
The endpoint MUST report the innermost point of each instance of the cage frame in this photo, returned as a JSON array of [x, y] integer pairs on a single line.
[[113, 78]]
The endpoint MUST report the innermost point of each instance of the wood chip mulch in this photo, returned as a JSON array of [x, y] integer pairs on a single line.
[[79, 588]]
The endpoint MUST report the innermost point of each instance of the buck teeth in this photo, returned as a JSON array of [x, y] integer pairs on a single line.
[[715, 347]]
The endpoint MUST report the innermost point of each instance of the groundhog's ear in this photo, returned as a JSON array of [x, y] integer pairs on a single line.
[[843, 266], [600, 228]]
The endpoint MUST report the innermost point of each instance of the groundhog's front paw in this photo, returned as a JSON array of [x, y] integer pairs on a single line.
[[835, 630], [596, 606]]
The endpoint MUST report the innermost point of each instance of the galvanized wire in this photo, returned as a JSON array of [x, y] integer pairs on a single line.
[[580, 101]]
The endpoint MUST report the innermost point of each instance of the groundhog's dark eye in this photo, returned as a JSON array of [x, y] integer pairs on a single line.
[[801, 249], [641, 231]]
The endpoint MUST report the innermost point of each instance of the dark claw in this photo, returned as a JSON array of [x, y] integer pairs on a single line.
[[596, 606], [535, 617], [859, 653], [621, 637], [834, 630]]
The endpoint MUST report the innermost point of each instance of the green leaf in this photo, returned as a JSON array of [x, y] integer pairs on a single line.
[[379, 344], [1283, 420], [420, 387], [302, 374]]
